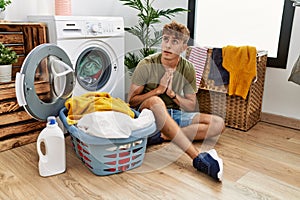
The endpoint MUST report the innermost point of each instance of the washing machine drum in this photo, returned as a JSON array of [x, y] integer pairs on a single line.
[[93, 68], [46, 80]]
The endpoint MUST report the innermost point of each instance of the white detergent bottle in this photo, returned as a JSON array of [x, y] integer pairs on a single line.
[[53, 159]]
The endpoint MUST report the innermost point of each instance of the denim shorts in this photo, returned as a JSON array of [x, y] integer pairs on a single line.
[[182, 118]]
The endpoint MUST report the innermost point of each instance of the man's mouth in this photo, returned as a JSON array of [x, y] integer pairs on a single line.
[[168, 52]]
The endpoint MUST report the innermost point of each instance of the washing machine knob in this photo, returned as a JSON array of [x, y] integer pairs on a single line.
[[94, 28]]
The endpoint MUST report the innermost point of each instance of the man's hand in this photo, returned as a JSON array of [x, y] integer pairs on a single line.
[[164, 82], [170, 91]]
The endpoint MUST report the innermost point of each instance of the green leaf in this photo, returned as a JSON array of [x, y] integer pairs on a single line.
[[136, 4], [131, 60], [171, 12], [7, 55]]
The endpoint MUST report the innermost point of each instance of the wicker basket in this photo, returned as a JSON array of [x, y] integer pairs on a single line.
[[238, 113]]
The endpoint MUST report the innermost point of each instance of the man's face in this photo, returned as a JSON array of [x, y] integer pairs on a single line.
[[172, 47]]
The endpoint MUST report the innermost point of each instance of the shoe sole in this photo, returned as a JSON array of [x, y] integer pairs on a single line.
[[215, 156]]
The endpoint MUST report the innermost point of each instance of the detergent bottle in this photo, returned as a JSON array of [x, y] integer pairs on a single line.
[[53, 158]]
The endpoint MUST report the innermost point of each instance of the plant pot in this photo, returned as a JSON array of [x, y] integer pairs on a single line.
[[63, 7], [2, 14], [5, 73]]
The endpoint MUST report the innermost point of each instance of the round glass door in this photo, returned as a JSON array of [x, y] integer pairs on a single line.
[[93, 68]]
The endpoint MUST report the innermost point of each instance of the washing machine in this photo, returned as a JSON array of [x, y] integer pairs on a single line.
[[84, 54], [95, 46]]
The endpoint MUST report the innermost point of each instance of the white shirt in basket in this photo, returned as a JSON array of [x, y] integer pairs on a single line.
[[113, 124]]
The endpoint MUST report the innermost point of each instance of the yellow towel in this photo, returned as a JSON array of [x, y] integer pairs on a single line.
[[240, 62], [94, 101]]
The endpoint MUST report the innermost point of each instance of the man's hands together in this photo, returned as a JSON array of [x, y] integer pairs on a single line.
[[165, 85]]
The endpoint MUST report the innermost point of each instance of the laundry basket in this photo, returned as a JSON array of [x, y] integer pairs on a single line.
[[105, 156], [237, 112]]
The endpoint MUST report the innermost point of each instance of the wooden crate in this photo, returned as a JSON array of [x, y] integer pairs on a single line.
[[16, 126], [22, 38]]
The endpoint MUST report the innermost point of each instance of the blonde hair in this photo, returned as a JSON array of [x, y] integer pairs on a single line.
[[180, 31]]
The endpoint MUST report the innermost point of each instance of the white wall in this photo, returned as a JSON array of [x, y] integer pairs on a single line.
[[280, 96]]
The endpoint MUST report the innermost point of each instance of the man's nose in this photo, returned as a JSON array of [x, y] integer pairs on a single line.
[[168, 44]]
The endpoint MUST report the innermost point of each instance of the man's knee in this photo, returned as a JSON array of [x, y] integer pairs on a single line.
[[219, 123], [154, 101]]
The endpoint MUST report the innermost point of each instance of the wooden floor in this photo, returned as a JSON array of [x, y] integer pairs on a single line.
[[263, 163]]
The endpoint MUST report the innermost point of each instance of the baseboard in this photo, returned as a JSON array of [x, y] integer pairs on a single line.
[[280, 120]]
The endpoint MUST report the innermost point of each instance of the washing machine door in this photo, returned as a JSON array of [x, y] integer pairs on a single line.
[[45, 81], [93, 68]]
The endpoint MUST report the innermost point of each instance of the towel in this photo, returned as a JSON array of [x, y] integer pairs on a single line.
[[217, 72], [295, 74], [112, 124], [94, 101], [197, 57], [240, 62]]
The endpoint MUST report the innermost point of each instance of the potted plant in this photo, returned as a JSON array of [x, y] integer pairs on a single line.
[[7, 58], [145, 30], [3, 4]]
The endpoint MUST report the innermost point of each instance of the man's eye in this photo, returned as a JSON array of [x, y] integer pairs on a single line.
[[165, 39], [175, 42]]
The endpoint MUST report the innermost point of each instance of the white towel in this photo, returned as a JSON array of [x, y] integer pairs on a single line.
[[113, 124], [198, 57]]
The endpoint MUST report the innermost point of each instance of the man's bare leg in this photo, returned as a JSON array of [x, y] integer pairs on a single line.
[[168, 126]]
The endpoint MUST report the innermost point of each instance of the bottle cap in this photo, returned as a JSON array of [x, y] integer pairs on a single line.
[[51, 120]]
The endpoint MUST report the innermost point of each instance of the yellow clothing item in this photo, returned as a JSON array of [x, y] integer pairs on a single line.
[[94, 101], [240, 62]]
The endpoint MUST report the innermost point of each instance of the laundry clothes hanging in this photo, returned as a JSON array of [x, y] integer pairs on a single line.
[[112, 124], [94, 101], [295, 73], [198, 57], [217, 72], [240, 62]]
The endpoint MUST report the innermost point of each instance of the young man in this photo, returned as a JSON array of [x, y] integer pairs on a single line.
[[165, 83]]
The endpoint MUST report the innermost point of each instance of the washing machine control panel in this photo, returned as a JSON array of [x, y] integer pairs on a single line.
[[103, 28]]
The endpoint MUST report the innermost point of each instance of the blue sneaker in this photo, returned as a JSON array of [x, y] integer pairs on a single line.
[[209, 163]]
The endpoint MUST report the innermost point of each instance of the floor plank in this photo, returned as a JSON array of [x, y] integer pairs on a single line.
[[269, 186]]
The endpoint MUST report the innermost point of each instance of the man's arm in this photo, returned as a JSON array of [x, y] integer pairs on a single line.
[[187, 103], [135, 96]]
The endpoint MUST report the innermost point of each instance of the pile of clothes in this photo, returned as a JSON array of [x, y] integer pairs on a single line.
[[99, 114], [234, 66]]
